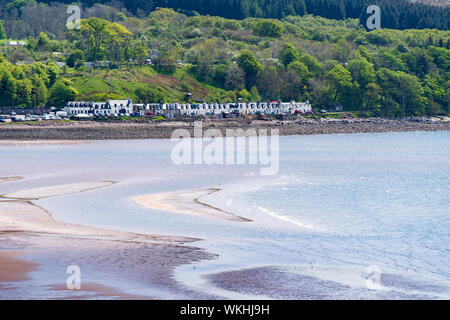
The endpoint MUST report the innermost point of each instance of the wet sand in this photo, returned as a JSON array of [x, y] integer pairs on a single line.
[[33, 242], [9, 179], [13, 268], [46, 192], [187, 202], [292, 283], [110, 268], [95, 291]]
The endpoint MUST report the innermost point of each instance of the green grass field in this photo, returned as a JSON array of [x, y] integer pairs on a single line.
[[123, 82]]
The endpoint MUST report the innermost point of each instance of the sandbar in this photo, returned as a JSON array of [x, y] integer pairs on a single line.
[[52, 191], [187, 202], [9, 179]]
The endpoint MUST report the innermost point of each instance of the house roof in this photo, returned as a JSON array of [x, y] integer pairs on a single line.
[[15, 43], [118, 102]]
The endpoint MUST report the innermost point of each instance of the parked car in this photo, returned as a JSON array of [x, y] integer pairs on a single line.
[[34, 117]]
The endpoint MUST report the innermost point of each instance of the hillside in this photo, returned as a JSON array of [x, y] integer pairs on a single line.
[[396, 14], [168, 54], [123, 83]]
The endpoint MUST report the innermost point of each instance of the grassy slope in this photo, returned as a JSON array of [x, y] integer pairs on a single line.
[[125, 81]]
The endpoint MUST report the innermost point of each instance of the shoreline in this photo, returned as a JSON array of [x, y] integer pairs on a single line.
[[32, 240], [18, 143], [83, 131]]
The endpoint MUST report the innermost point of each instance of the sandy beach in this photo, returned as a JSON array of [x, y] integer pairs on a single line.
[[187, 202], [29, 230]]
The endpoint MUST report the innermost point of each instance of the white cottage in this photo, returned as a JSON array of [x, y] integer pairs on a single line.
[[110, 108]]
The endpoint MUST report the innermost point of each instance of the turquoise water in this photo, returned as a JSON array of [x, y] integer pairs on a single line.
[[339, 204]]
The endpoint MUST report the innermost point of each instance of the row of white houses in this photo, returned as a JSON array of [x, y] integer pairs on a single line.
[[205, 109], [171, 110], [84, 109]]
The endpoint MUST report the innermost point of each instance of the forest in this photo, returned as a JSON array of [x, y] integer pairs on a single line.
[[396, 14], [166, 54]]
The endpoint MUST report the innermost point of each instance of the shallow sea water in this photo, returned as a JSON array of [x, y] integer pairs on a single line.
[[340, 207]]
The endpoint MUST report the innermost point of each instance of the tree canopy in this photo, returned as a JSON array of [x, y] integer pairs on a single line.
[[396, 14], [167, 54]]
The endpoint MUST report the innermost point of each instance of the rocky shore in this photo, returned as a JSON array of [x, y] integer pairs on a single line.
[[91, 130]]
